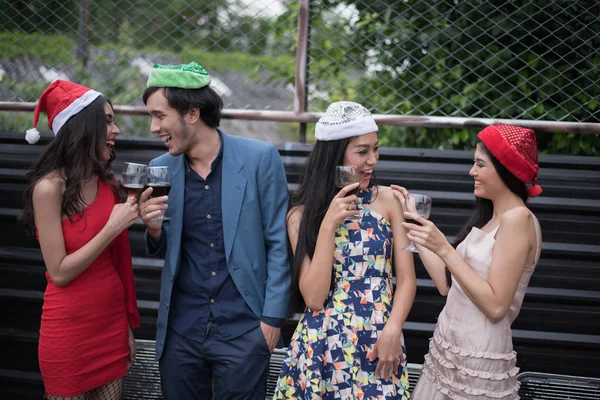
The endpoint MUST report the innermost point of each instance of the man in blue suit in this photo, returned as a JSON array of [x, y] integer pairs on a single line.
[[226, 279]]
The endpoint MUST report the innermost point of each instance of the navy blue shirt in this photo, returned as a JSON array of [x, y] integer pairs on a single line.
[[203, 288]]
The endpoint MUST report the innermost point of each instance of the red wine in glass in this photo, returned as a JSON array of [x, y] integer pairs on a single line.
[[346, 175], [160, 188], [412, 221], [133, 178], [419, 204], [159, 179], [133, 189]]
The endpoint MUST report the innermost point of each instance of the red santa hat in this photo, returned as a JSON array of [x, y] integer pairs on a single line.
[[61, 100], [516, 149]]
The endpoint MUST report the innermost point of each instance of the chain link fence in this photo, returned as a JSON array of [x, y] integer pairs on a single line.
[[111, 45], [518, 59], [512, 59]]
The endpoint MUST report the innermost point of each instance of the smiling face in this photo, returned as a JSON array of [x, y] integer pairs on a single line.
[[487, 181], [172, 128], [363, 152], [112, 131]]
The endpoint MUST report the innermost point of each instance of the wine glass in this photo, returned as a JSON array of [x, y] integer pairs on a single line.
[[346, 175], [133, 179], [159, 179], [417, 204]]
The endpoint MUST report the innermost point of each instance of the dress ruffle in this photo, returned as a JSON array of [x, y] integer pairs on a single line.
[[493, 376], [471, 353], [444, 384], [447, 376]]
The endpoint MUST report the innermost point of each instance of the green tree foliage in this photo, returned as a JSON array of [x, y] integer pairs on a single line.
[[467, 58], [172, 25], [513, 59], [39, 15]]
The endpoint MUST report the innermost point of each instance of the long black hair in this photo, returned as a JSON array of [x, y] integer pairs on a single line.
[[314, 194], [113, 155], [484, 208], [74, 155]]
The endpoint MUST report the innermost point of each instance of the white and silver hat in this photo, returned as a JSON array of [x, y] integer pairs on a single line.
[[344, 119]]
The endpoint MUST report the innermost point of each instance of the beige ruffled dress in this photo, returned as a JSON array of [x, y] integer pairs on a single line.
[[470, 357]]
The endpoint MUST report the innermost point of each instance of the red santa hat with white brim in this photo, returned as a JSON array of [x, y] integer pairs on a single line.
[[61, 100]]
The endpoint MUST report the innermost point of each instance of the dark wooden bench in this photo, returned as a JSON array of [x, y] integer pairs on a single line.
[[558, 330]]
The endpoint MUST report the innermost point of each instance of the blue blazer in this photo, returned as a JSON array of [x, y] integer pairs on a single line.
[[254, 206]]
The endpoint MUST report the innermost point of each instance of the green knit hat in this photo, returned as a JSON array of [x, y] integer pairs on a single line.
[[185, 76]]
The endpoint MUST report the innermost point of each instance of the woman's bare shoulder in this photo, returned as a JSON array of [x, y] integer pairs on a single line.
[[517, 217], [52, 184], [386, 196]]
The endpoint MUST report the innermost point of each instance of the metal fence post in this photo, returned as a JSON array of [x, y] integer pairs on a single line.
[[82, 52], [301, 81]]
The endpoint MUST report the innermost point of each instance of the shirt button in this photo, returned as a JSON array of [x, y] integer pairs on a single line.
[[212, 300], [214, 273], [166, 306], [206, 187], [212, 245], [208, 216]]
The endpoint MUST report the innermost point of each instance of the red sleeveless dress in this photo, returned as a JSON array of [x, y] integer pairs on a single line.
[[84, 328]]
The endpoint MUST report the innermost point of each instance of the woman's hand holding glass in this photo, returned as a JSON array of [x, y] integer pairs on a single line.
[[133, 179], [123, 215], [416, 207], [426, 234], [342, 207], [346, 175]]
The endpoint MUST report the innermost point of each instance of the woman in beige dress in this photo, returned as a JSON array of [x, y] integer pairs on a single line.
[[471, 354]]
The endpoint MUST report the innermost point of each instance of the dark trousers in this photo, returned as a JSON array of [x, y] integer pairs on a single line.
[[236, 369]]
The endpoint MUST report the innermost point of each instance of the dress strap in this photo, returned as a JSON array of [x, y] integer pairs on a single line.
[[494, 231], [364, 195], [538, 244]]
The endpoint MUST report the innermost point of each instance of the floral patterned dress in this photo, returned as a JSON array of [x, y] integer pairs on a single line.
[[328, 357]]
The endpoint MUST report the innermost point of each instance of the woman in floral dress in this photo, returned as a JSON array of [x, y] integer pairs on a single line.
[[349, 342]]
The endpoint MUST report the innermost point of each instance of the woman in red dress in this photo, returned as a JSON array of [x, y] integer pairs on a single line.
[[86, 340]]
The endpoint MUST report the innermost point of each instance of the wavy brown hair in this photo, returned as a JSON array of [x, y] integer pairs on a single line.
[[74, 155]]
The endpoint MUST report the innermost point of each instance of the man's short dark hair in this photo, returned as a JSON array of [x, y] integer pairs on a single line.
[[206, 99]]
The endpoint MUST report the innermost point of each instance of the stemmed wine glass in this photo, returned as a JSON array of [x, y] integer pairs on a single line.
[[417, 204], [159, 179], [133, 178], [346, 175]]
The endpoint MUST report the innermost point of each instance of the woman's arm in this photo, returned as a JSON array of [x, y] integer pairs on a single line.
[[315, 273], [404, 265], [436, 268], [513, 244], [389, 347], [47, 205]]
